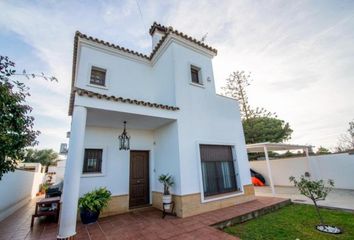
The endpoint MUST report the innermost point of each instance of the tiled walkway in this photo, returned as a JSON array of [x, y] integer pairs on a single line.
[[144, 224]]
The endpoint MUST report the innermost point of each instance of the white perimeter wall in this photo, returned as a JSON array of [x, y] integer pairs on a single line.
[[16, 189], [60, 170], [339, 167]]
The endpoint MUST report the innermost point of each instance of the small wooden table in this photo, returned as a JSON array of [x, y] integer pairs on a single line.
[[47, 207]]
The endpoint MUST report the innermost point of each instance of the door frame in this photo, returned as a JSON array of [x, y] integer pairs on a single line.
[[148, 153]]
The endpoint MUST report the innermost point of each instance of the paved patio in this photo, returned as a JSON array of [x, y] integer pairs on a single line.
[[143, 224], [337, 198]]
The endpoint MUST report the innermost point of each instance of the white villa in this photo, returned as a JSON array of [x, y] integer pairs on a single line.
[[176, 122]]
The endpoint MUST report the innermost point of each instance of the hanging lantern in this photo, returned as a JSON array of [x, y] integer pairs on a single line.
[[124, 139]]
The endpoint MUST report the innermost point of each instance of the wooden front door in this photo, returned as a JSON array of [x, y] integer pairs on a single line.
[[139, 178]]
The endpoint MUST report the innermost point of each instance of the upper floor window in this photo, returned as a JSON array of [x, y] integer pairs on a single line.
[[92, 161], [98, 76], [196, 75]]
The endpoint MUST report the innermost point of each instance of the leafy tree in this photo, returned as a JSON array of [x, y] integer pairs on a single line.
[[266, 129], [259, 124], [16, 124], [46, 157], [316, 190], [346, 141], [321, 150]]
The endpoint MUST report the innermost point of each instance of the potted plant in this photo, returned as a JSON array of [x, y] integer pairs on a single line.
[[43, 188], [91, 204], [167, 181]]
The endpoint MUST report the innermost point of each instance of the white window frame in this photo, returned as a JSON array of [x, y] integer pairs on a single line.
[[221, 196], [104, 161], [89, 84], [200, 75]]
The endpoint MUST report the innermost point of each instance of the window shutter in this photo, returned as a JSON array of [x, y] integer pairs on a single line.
[[217, 169], [215, 153]]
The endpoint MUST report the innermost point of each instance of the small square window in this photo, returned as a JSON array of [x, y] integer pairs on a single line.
[[195, 75], [98, 76], [92, 161]]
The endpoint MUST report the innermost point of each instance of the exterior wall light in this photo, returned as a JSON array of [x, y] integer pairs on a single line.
[[124, 139]]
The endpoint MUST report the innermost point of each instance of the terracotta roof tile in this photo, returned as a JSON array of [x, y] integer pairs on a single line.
[[158, 27], [84, 92]]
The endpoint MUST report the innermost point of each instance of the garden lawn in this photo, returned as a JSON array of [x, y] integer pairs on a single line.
[[294, 222]]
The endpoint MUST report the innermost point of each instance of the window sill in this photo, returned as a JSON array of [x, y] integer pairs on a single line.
[[221, 196], [97, 86], [88, 175], [197, 84]]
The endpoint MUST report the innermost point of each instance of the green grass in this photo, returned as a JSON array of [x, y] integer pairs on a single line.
[[294, 222]]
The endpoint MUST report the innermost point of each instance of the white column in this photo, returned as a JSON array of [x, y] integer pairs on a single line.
[[269, 170], [73, 169]]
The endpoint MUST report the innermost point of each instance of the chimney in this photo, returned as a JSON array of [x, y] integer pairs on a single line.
[[157, 31]]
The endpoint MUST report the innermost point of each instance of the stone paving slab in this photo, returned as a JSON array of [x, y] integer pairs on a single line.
[[140, 224]]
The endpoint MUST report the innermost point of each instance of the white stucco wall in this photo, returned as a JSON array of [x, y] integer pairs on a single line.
[[16, 189], [60, 170], [282, 169], [167, 156], [203, 115], [204, 118], [339, 167], [126, 77], [115, 168]]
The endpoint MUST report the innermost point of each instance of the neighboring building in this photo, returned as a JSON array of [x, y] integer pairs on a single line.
[[176, 122]]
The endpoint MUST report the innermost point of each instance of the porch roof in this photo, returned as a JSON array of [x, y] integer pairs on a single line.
[[259, 147], [84, 92]]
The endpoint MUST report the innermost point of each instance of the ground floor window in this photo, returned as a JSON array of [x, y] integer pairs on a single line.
[[92, 161], [217, 169]]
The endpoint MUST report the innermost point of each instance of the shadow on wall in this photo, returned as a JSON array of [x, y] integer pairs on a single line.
[[17, 188]]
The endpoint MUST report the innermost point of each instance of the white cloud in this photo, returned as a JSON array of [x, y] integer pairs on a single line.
[[300, 53]]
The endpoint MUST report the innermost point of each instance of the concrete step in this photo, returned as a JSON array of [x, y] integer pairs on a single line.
[[251, 215]]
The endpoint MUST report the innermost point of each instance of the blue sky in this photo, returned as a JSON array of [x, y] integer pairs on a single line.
[[300, 53]]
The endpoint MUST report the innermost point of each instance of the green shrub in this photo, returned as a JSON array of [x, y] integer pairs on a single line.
[[95, 200]]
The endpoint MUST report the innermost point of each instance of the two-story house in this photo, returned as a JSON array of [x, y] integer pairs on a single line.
[[176, 122]]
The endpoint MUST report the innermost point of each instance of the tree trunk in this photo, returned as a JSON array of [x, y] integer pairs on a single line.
[[318, 212]]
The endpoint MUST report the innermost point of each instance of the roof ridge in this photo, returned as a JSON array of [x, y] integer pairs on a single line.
[[87, 37], [166, 30]]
